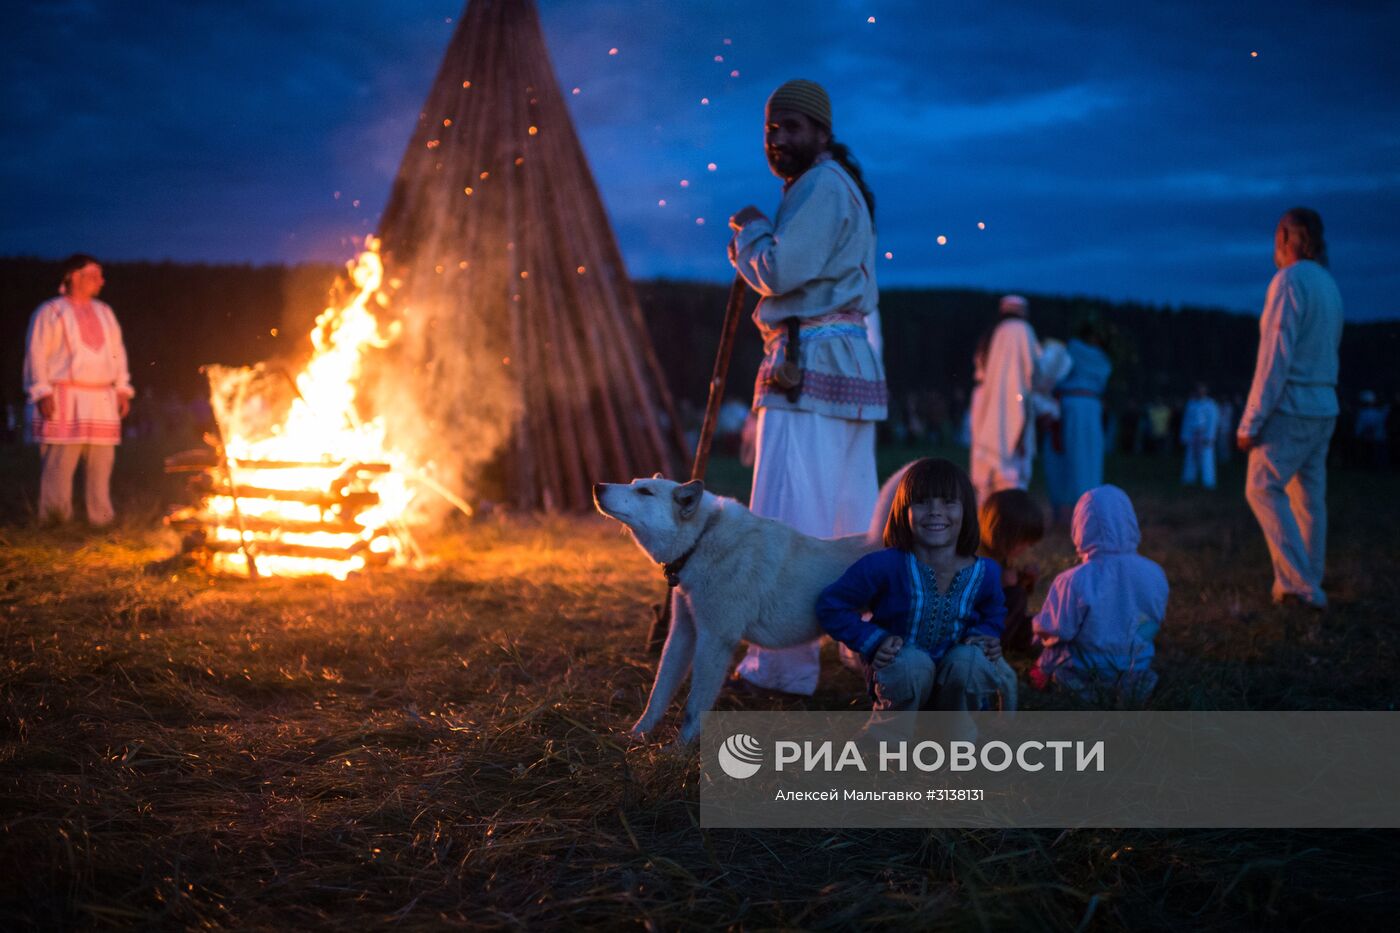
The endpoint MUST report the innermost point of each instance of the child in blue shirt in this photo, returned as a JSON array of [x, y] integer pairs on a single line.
[[934, 637]]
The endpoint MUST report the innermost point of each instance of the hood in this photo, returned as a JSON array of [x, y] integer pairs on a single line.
[[1105, 523]]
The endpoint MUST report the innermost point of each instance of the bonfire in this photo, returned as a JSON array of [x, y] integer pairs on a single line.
[[298, 480]]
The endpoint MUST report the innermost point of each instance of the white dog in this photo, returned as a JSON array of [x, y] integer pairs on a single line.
[[738, 577]]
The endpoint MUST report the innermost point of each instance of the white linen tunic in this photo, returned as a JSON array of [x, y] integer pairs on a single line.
[[1003, 434], [84, 380], [816, 262], [1300, 332]]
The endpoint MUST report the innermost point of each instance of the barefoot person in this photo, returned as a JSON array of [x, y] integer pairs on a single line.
[[1292, 408], [79, 389], [814, 266]]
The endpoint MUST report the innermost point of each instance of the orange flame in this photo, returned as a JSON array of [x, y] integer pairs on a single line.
[[321, 447]]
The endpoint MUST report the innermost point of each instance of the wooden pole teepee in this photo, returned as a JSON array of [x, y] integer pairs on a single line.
[[523, 327]]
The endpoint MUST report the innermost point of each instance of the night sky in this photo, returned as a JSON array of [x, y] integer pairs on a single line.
[[1121, 150]]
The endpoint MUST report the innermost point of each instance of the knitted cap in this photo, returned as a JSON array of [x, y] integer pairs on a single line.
[[804, 97]]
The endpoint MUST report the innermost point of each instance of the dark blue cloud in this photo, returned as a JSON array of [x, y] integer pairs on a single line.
[[1124, 150]]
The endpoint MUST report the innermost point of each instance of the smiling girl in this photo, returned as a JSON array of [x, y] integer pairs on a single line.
[[934, 637]]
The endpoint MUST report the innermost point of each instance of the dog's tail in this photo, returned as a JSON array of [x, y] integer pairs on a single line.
[[876, 534]]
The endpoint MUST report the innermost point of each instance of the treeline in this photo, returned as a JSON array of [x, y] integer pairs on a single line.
[[930, 335], [177, 316]]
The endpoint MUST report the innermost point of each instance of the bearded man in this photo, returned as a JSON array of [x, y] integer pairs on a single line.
[[821, 386]]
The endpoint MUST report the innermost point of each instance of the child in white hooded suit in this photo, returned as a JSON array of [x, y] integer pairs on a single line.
[[1100, 617]]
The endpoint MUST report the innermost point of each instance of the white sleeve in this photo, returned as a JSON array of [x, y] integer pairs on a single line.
[[45, 332], [121, 373], [1276, 335], [775, 260]]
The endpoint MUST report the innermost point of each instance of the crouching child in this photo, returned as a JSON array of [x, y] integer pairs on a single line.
[[1012, 523], [1100, 618], [933, 639]]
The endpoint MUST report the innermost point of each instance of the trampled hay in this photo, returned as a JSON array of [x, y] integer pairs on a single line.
[[447, 745]]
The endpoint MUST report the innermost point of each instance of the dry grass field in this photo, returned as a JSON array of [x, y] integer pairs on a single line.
[[418, 748]]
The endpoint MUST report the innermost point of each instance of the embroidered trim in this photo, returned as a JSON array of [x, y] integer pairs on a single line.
[[935, 618], [828, 387]]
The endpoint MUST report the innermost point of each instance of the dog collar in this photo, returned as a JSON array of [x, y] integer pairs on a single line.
[[672, 569]]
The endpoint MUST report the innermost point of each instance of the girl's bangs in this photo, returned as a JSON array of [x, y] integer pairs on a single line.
[[934, 479]]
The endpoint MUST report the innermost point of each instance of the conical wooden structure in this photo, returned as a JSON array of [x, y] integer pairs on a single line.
[[523, 334]]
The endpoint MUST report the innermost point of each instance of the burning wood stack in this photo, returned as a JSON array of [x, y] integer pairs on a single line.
[[283, 518], [525, 337], [301, 479]]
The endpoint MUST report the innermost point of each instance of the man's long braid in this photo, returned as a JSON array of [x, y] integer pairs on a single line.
[[842, 153]]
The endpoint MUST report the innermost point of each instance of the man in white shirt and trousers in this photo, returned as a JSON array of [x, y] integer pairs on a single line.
[[79, 390], [1003, 424], [1292, 409], [814, 267]]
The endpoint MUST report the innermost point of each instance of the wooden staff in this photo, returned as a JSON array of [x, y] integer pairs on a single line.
[[726, 349], [661, 625]]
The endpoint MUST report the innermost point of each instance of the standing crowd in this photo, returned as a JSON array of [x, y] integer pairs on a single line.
[[929, 618]]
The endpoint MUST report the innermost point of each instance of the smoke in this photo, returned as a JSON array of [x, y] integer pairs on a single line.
[[445, 388]]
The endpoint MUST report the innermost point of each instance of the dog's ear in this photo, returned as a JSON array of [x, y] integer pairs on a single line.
[[657, 476], [687, 498]]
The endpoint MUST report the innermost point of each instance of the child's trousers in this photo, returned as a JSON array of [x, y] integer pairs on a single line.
[[962, 680]]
